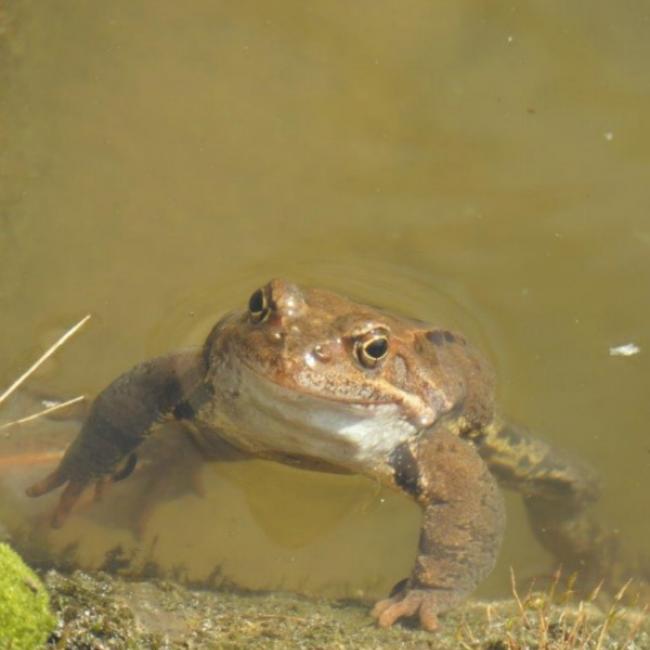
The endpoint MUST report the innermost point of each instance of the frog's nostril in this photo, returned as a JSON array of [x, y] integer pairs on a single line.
[[321, 353]]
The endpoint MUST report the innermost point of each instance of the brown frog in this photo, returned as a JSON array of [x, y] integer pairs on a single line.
[[312, 379]]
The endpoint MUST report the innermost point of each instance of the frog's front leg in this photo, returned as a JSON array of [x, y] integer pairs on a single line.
[[462, 528], [119, 420]]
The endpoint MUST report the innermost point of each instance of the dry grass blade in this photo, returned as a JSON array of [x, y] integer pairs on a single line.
[[48, 353], [612, 614], [543, 629], [603, 631], [622, 590], [40, 414], [554, 584], [513, 584], [637, 625], [596, 592], [578, 624]]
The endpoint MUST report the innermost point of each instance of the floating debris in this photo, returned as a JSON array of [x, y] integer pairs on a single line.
[[625, 350]]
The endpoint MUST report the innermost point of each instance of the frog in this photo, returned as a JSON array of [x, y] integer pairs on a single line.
[[309, 378]]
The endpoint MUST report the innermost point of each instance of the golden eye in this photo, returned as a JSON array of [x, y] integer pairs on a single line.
[[258, 306], [372, 350]]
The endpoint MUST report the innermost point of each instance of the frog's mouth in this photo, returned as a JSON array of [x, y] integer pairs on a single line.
[[264, 416]]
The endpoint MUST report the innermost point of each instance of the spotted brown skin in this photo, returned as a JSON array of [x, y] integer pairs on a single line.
[[309, 378]]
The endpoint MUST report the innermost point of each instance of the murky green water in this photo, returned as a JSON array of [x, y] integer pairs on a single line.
[[481, 166]]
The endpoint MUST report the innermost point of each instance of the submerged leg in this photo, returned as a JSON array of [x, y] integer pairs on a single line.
[[557, 492], [463, 522]]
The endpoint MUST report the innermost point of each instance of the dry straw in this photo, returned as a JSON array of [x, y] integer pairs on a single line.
[[33, 368]]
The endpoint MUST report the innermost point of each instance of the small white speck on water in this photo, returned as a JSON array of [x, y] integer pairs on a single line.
[[625, 350], [608, 135]]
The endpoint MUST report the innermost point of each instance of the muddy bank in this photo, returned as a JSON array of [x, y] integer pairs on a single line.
[[99, 611]]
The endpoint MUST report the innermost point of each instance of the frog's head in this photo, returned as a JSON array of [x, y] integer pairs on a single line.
[[315, 344]]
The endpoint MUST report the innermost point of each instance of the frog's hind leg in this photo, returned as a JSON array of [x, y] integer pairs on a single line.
[[557, 492]]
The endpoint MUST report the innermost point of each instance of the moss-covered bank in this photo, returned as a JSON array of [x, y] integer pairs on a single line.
[[25, 617]]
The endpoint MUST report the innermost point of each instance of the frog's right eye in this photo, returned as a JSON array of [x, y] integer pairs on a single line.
[[372, 349], [258, 306]]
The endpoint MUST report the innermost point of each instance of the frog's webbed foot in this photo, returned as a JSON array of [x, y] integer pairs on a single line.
[[410, 602], [75, 484]]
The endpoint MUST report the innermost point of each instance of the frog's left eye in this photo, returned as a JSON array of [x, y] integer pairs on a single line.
[[371, 350], [258, 306]]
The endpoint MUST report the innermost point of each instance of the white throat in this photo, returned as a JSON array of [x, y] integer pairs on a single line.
[[263, 416]]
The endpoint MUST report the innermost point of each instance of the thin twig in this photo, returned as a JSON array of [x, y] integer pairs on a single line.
[[50, 409], [48, 353]]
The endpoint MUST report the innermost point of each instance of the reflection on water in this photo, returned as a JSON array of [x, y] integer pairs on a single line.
[[484, 167]]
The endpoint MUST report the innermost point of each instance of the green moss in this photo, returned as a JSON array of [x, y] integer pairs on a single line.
[[25, 617]]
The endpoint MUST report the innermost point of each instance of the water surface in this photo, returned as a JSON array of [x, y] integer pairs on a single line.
[[480, 166]]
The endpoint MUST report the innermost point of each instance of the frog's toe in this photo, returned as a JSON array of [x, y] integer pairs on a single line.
[[391, 609], [49, 483], [101, 485], [69, 496], [410, 603], [428, 616], [67, 501]]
